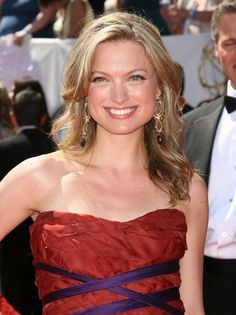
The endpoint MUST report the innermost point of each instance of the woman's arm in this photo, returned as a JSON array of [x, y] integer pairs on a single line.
[[191, 267], [20, 195], [112, 5], [45, 16], [77, 17]]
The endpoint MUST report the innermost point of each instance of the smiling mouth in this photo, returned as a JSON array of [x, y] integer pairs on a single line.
[[120, 111]]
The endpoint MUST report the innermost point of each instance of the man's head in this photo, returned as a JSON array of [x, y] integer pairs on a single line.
[[224, 36], [28, 107]]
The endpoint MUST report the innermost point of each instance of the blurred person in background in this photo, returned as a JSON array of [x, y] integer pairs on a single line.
[[188, 16], [149, 9], [6, 125], [22, 17], [97, 6], [17, 272], [211, 147], [29, 82], [72, 16]]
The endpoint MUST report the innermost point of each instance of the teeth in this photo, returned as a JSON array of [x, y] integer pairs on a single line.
[[120, 112]]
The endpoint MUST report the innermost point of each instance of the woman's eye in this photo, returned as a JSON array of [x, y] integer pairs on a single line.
[[98, 79], [137, 77]]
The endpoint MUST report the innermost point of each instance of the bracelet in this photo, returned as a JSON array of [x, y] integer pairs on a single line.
[[26, 29], [193, 14]]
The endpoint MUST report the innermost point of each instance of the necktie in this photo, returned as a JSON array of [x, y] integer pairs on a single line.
[[230, 103]]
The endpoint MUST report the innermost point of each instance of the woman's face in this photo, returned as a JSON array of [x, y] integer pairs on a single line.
[[123, 89]]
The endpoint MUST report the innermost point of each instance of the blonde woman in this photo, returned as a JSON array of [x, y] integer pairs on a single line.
[[120, 216]]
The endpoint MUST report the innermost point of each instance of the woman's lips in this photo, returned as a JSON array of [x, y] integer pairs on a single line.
[[120, 112]]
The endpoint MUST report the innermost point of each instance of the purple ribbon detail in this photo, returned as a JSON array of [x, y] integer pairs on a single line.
[[135, 300]]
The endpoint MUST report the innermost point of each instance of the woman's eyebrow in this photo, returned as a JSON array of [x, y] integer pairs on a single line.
[[129, 72]]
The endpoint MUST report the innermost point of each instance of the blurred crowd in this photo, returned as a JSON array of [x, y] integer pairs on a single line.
[[24, 128], [65, 18]]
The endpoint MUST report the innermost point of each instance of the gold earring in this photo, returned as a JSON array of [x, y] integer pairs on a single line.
[[159, 116], [86, 120]]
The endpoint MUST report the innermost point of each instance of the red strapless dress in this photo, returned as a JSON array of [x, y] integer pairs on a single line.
[[87, 265]]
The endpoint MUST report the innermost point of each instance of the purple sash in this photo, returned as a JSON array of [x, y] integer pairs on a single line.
[[134, 300]]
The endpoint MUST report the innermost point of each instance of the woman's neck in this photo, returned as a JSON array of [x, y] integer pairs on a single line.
[[119, 152]]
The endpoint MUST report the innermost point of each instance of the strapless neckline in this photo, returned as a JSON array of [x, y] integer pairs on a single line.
[[99, 248], [91, 217]]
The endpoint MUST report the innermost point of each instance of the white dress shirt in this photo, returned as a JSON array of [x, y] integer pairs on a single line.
[[221, 234]]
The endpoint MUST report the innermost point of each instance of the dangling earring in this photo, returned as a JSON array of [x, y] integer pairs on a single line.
[[158, 116], [86, 119]]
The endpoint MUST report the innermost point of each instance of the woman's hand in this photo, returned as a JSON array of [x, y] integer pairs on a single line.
[[45, 16], [19, 37]]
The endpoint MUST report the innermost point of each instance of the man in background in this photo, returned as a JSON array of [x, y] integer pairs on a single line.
[[211, 147], [97, 6], [149, 9], [17, 272]]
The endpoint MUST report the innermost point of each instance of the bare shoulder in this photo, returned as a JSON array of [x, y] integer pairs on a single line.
[[32, 176], [24, 190], [198, 190], [197, 206], [33, 167], [44, 164]]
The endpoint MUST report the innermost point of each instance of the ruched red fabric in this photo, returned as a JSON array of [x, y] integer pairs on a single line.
[[99, 248]]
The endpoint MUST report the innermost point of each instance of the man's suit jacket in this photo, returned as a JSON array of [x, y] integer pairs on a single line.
[[17, 272], [17, 148], [219, 287], [200, 128]]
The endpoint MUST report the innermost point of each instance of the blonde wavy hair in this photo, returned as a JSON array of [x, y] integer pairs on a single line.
[[167, 165]]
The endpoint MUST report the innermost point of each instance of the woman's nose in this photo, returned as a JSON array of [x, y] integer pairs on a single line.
[[119, 93]]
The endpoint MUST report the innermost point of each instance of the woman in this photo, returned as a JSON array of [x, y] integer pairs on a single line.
[[72, 16], [113, 204], [22, 17]]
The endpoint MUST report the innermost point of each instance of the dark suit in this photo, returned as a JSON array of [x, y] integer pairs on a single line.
[[200, 129], [219, 279], [97, 6], [17, 272]]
